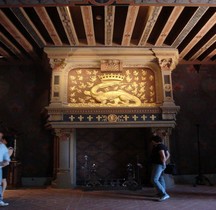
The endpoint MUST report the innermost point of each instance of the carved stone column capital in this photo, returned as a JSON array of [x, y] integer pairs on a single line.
[[57, 63], [63, 134], [167, 58], [166, 64]]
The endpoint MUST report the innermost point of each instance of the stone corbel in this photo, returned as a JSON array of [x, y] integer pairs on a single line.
[[166, 64], [57, 64], [167, 58]]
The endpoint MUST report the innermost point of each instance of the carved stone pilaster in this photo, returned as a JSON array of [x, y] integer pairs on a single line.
[[65, 176], [167, 62]]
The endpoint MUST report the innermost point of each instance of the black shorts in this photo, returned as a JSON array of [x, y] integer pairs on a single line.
[[5, 171]]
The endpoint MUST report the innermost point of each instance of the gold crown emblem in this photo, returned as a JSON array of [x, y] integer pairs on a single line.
[[107, 77]]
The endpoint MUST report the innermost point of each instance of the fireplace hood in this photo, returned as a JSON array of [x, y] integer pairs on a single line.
[[112, 87]]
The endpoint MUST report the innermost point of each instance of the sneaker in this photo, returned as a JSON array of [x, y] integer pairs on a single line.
[[2, 203], [164, 197]]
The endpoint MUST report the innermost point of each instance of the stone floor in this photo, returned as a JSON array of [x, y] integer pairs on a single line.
[[183, 197]]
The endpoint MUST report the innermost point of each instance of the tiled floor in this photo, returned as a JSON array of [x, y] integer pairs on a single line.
[[183, 197]]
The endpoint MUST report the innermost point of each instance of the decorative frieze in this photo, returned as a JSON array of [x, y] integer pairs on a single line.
[[57, 63], [111, 117]]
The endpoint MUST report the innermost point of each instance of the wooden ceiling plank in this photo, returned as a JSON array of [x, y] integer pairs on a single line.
[[9, 26], [189, 26], [109, 24], [68, 25], [47, 22], [152, 16], [5, 54], [29, 26], [210, 55], [88, 24], [10, 46], [129, 26], [169, 24], [204, 48], [198, 36]]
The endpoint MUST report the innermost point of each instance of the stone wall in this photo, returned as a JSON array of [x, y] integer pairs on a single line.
[[24, 92], [195, 93]]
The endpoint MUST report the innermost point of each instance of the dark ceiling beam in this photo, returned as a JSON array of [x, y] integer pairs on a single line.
[[129, 26], [20, 38], [68, 25], [189, 26], [176, 12], [198, 36], [152, 16], [29, 26], [109, 24], [204, 48], [88, 24], [209, 56], [48, 24], [4, 54], [10, 46]]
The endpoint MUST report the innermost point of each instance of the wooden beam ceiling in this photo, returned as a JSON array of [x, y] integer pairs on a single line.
[[27, 28]]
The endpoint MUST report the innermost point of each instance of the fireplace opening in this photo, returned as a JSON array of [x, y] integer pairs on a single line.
[[113, 154]]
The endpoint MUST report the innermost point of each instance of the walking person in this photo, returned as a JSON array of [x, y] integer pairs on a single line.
[[4, 161], [159, 156]]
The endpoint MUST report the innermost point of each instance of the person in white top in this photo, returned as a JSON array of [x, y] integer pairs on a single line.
[[5, 170], [4, 161]]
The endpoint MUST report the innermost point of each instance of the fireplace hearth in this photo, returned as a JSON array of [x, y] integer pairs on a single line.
[[104, 155]]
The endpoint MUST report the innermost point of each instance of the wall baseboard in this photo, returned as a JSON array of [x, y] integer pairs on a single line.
[[36, 181], [191, 179]]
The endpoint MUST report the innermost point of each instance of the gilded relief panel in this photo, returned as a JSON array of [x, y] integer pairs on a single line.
[[133, 87]]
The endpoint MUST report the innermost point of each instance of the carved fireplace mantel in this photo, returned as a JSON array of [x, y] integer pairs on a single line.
[[107, 88], [100, 87]]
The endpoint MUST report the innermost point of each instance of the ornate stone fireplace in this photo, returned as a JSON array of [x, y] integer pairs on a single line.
[[107, 88]]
